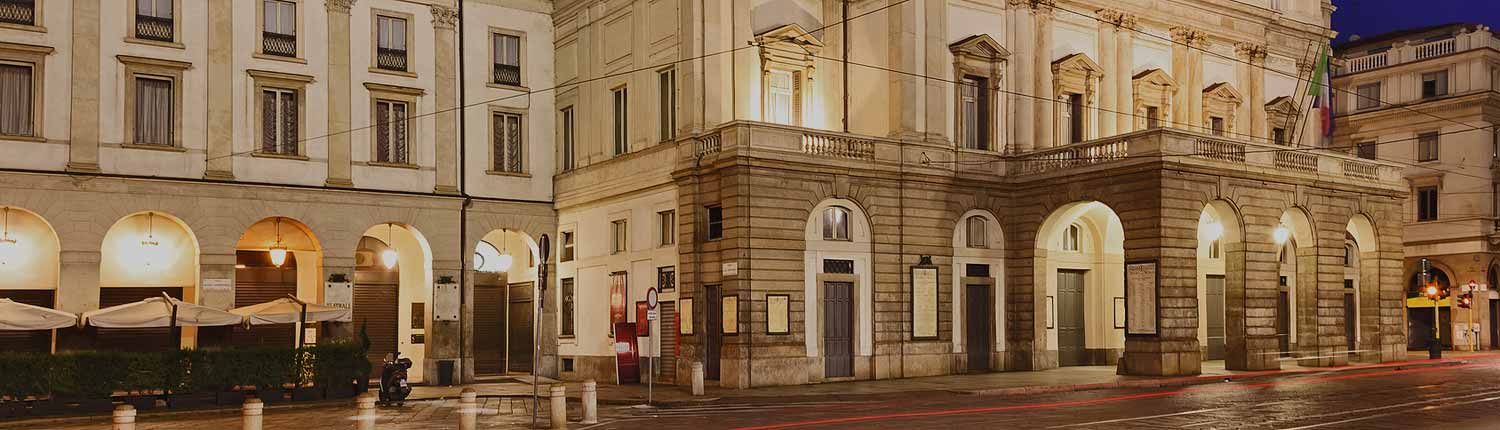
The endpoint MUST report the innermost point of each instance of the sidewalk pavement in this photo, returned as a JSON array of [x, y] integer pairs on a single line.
[[1001, 383]]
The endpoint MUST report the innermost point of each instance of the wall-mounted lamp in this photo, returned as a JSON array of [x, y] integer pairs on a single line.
[[1213, 230]]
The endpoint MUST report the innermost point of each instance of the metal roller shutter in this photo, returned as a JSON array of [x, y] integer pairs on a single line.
[[668, 367], [31, 340], [489, 327], [520, 318], [260, 282], [133, 339], [376, 298]]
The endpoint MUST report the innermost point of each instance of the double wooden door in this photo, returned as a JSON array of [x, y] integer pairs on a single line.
[[1214, 320], [838, 329], [1071, 336]]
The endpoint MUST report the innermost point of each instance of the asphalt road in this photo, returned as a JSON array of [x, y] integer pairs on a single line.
[[1461, 397]]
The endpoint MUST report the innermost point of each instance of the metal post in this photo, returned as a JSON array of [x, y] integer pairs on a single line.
[[650, 370], [253, 413], [124, 418], [590, 402], [559, 407], [364, 412], [468, 409], [698, 378]]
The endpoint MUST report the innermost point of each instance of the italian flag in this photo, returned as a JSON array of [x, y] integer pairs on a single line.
[[1322, 93]]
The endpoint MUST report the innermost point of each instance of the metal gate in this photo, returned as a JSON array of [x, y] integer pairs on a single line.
[[667, 370], [489, 325], [838, 329], [1071, 349], [977, 336], [520, 321], [713, 330], [1214, 293], [1351, 314]]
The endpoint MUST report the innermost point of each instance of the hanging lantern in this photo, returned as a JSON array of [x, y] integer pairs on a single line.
[[150, 247], [9, 248], [278, 251], [1281, 234], [502, 264], [1213, 230], [388, 257]]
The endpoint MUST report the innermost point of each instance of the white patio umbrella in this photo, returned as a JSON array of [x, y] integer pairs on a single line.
[[163, 311], [20, 316], [288, 310]]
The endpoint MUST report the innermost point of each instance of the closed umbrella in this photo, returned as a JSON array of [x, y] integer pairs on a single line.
[[288, 310], [20, 316], [162, 311]]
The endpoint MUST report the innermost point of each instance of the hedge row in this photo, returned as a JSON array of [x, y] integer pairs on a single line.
[[98, 374]]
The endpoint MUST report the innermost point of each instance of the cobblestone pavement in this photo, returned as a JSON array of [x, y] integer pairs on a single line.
[[1463, 397]]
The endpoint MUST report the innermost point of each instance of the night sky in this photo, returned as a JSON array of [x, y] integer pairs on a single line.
[[1372, 17]]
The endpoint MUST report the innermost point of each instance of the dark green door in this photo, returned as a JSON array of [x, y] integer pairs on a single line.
[[1070, 329]]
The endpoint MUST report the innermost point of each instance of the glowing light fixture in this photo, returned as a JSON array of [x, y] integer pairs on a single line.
[[1281, 234], [150, 247], [278, 251], [9, 248], [1213, 230], [388, 257], [502, 264], [1432, 291]]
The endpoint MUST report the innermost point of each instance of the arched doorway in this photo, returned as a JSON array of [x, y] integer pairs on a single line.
[[505, 314], [1361, 289], [1296, 267], [145, 255], [978, 289], [1080, 258], [1219, 238], [276, 257], [392, 287], [837, 273], [29, 268], [1419, 311]]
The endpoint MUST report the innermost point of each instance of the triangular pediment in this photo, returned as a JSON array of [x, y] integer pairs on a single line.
[[1156, 77], [1282, 105], [981, 46], [1077, 62], [790, 33], [1223, 91]]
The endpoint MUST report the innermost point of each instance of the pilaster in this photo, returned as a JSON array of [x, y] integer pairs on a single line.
[[906, 93], [83, 109], [220, 140], [217, 265], [1253, 66], [1046, 102], [78, 288], [1022, 38], [339, 91], [1124, 85], [446, 79], [1109, 60]]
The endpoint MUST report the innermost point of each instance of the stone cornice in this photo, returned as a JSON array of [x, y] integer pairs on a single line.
[[339, 6], [444, 17]]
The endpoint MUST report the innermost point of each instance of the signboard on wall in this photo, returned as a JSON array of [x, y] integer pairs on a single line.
[[445, 305], [1140, 298], [218, 293], [627, 361], [924, 302], [617, 299], [685, 316], [339, 294], [778, 312]]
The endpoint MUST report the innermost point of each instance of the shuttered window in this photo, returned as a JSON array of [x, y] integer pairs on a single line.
[[390, 132], [507, 143], [622, 121], [780, 97], [278, 118], [569, 321]]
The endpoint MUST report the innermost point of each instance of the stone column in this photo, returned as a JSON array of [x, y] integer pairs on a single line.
[[1181, 103], [444, 58], [1196, 45], [1023, 137], [1253, 64], [78, 288], [1125, 78], [1042, 79], [339, 76], [338, 264], [1109, 95], [906, 93], [220, 100], [217, 264], [83, 109]]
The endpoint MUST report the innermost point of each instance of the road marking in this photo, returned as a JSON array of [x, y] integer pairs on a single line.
[[1367, 417], [1135, 418]]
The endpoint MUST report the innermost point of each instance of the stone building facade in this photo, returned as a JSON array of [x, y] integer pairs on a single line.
[[812, 162], [171, 146], [1421, 98]]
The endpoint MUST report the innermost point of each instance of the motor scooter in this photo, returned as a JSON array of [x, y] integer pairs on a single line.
[[393, 386]]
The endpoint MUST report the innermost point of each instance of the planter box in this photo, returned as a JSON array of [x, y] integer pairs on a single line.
[[301, 394], [12, 409], [229, 398], [72, 407], [273, 395]]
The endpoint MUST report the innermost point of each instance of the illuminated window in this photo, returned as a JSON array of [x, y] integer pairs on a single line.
[[782, 93]]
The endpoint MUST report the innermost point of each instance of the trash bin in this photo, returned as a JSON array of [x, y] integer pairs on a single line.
[[445, 372], [1434, 349]]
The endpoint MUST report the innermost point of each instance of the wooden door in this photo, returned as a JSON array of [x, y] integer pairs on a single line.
[[1071, 337], [713, 330], [838, 329], [1494, 324], [489, 328], [1284, 322], [1351, 315], [519, 323], [1214, 320], [977, 329]]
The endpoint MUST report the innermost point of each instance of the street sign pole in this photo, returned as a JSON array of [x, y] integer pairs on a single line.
[[651, 314]]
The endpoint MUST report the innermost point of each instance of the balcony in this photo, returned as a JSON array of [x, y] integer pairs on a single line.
[[390, 59], [1436, 48], [153, 28], [20, 12], [506, 74], [273, 43], [1368, 62]]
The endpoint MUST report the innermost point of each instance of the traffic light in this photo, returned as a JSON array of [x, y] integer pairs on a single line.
[[1466, 300]]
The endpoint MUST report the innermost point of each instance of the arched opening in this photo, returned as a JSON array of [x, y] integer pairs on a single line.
[[1219, 252], [505, 313], [838, 288], [29, 270], [1420, 310], [978, 303], [1361, 289], [1080, 258], [274, 258], [392, 286], [145, 255], [1296, 267]]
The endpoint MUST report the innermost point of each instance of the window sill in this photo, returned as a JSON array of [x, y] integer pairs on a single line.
[[273, 155], [393, 165], [393, 72], [173, 45], [282, 58], [37, 139], [499, 86], [504, 173], [23, 27], [150, 147]]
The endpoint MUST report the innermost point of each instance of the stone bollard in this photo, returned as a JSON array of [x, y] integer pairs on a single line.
[[559, 407], [252, 412], [124, 418], [468, 409], [590, 402], [697, 379], [364, 412]]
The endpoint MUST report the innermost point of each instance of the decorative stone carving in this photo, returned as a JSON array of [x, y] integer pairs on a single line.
[[444, 17], [1117, 18], [1191, 37], [1254, 53], [1153, 89], [1223, 101], [339, 6], [980, 56]]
